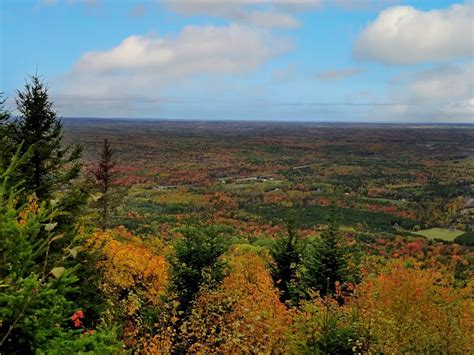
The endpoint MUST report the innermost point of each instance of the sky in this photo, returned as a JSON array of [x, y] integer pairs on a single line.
[[300, 60]]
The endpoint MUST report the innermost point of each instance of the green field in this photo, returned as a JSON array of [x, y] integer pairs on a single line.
[[440, 233]]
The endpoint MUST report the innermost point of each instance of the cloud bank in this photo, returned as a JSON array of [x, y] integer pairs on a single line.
[[142, 66], [405, 35]]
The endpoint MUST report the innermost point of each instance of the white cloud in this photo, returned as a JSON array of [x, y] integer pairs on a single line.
[[336, 74], [232, 49], [140, 68], [444, 83], [362, 4], [270, 19], [405, 35], [228, 7], [444, 93]]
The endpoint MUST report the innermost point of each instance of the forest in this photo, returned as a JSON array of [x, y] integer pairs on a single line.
[[159, 236]]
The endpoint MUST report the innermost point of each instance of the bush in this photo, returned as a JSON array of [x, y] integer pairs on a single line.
[[465, 239]]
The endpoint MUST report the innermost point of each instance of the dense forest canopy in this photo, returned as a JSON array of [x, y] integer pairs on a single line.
[[232, 237]]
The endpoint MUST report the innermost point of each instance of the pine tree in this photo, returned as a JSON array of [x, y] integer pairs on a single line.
[[325, 260], [286, 256], [50, 166], [104, 176], [5, 143]]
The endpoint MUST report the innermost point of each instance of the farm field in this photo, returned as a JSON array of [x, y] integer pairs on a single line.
[[440, 233]]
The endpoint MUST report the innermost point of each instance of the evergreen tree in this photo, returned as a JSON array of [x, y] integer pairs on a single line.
[[325, 260], [50, 166], [4, 113], [196, 262], [5, 142], [37, 289], [104, 177], [286, 256]]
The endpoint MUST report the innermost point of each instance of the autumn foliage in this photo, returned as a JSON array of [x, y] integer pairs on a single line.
[[411, 310], [244, 315]]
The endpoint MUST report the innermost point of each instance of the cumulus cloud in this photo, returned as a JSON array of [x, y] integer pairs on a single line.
[[405, 35], [142, 66], [444, 83], [443, 92], [232, 49], [336, 74]]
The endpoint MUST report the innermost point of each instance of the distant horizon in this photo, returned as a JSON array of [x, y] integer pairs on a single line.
[[224, 120]]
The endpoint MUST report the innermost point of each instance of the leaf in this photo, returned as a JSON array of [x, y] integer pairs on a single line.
[[95, 197], [73, 251], [50, 226], [56, 237], [58, 271]]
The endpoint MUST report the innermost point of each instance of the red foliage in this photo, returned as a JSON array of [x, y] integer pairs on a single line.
[[76, 318]]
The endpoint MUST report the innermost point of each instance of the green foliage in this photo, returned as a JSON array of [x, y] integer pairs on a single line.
[[37, 289], [325, 261], [40, 128], [196, 262], [309, 216], [465, 239], [102, 341], [287, 257], [5, 143], [320, 327]]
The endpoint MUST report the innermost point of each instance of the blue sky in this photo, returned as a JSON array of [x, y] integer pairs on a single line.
[[301, 60]]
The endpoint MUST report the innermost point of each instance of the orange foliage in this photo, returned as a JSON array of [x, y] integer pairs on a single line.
[[416, 311], [243, 316], [129, 265]]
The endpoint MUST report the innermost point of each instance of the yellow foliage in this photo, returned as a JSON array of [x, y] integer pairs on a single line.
[[31, 208], [243, 315], [415, 311], [133, 275], [130, 266]]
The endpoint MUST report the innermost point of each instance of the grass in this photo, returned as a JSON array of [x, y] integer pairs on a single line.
[[440, 233]]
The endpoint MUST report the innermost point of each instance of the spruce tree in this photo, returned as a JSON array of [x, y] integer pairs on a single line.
[[325, 260], [286, 256], [196, 262], [4, 113], [104, 177], [50, 166], [5, 142]]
